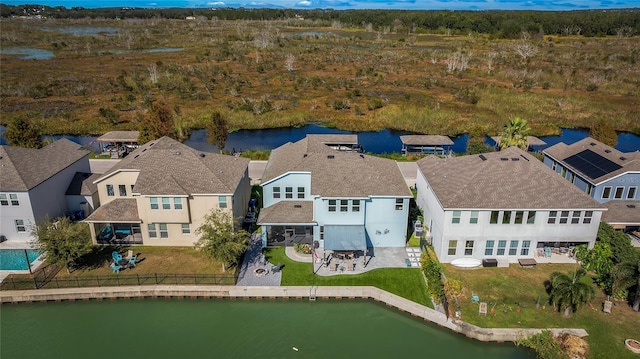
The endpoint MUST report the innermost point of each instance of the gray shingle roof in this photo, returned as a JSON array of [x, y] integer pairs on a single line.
[[531, 140], [118, 210], [622, 212], [287, 212], [561, 151], [426, 140], [168, 167], [120, 136], [335, 139], [82, 184], [337, 173], [24, 168], [494, 183]]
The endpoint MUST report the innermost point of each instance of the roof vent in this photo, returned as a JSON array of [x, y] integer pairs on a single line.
[[526, 159], [592, 144], [515, 159], [631, 205], [623, 158], [482, 157], [152, 143], [202, 155], [144, 149], [504, 159], [136, 156], [304, 156], [361, 156], [297, 206], [331, 156], [176, 153], [607, 151]]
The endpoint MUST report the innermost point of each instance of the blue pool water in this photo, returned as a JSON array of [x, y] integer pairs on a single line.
[[15, 259]]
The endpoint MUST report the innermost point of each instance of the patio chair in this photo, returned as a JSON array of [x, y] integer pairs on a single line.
[[482, 308], [117, 257], [350, 266], [474, 298], [333, 267], [129, 254], [132, 261], [116, 268]]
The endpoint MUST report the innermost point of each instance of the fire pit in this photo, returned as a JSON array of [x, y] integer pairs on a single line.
[[633, 345], [260, 272]]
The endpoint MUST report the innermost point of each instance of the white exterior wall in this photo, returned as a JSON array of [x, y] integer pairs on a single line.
[[291, 179], [9, 214], [386, 226], [434, 215]]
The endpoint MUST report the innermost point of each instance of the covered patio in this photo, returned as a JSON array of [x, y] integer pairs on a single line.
[[116, 222], [118, 143], [287, 223], [426, 144]]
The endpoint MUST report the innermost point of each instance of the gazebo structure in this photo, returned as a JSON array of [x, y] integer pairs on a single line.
[[425, 144], [340, 142], [118, 143], [533, 143]]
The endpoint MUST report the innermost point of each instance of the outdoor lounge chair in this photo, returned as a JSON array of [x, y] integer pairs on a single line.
[[132, 261], [607, 306], [475, 298], [116, 268], [482, 308]]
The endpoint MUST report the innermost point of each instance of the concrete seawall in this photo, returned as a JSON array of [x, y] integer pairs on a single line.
[[299, 292]]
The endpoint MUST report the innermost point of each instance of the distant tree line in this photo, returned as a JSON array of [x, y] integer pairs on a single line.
[[503, 24]]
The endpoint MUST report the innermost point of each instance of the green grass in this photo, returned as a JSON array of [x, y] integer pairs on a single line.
[[405, 282]]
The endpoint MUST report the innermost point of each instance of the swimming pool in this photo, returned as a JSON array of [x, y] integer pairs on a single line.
[[15, 259]]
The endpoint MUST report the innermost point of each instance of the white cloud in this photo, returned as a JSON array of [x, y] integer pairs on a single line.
[[216, 3], [304, 3]]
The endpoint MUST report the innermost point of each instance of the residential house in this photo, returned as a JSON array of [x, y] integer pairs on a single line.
[[33, 185], [607, 175], [337, 200], [504, 204], [160, 193]]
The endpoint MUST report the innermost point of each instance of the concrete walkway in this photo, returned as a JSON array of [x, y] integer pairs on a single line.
[[255, 270]]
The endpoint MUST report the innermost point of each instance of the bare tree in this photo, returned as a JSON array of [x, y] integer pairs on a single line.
[[336, 24], [459, 61], [524, 47], [490, 59], [289, 61], [153, 73], [369, 27], [434, 56]]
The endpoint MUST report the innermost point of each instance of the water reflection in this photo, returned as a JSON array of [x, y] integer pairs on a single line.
[[27, 53]]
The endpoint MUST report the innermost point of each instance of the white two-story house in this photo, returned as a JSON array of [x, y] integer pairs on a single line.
[[502, 205], [160, 193], [609, 176], [33, 185], [339, 200]]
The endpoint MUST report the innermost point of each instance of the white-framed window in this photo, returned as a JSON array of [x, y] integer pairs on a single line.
[[166, 203], [494, 217], [531, 217], [332, 205], [20, 227], [488, 249], [110, 191], [355, 205], [554, 165], [519, 217], [468, 248], [344, 205], [122, 190], [453, 246], [399, 204], [631, 194], [276, 192], [501, 247], [513, 248], [588, 189], [222, 201], [456, 217], [300, 192], [474, 217], [619, 193], [564, 217], [587, 217], [164, 231], [606, 193], [3, 200], [177, 203], [151, 230], [14, 199], [575, 217], [506, 217], [154, 202], [553, 215], [288, 192], [524, 251], [186, 228]]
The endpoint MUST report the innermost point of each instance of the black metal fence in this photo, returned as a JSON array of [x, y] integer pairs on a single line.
[[44, 282]]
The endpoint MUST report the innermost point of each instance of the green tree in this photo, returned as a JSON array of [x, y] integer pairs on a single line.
[[21, 133], [218, 131], [515, 133], [598, 260], [627, 276], [61, 240], [570, 291], [604, 132], [157, 122], [220, 240]]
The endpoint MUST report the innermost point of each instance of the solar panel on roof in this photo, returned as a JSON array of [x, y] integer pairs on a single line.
[[591, 164]]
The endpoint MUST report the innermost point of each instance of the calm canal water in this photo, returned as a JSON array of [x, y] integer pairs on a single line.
[[165, 328]]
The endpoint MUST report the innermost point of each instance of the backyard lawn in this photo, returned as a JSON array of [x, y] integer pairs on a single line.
[[512, 294]]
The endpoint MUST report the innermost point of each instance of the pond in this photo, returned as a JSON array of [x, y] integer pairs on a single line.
[[199, 328], [83, 30], [27, 53]]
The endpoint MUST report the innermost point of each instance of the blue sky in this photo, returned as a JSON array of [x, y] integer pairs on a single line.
[[352, 4]]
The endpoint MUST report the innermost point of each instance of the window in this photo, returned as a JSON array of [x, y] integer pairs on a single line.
[[186, 228], [301, 192], [572, 177], [552, 217], [531, 217], [488, 250], [501, 246], [332, 205], [164, 231], [399, 204], [3, 200], [587, 217], [276, 192], [456, 217], [132, 188], [355, 205], [166, 204], [524, 251], [513, 248], [554, 165], [151, 228], [20, 227], [14, 199], [110, 192], [564, 217], [122, 190], [321, 232], [453, 245], [222, 201], [632, 192], [588, 189], [563, 172], [606, 192], [506, 217], [575, 218], [177, 203], [468, 248], [474, 217], [494, 217], [519, 217], [288, 192], [619, 193], [344, 205], [154, 202]]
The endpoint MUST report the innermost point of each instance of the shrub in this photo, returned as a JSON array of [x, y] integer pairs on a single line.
[[432, 271]]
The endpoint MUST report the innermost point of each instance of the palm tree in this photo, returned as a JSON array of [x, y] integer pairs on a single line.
[[627, 275], [569, 291], [515, 133]]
